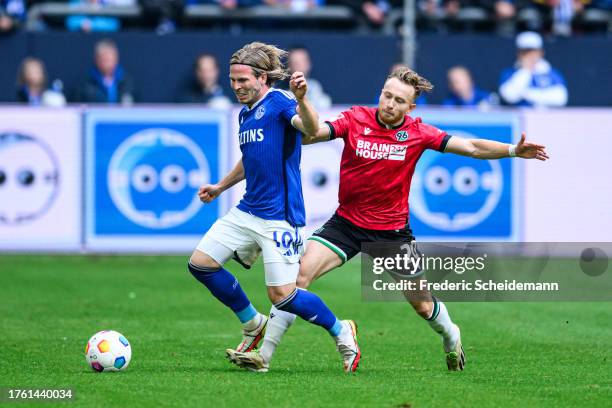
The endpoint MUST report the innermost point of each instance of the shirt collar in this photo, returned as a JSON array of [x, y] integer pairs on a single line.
[[382, 125]]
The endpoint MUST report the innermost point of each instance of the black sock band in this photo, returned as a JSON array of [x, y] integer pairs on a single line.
[[435, 311], [286, 301], [198, 270]]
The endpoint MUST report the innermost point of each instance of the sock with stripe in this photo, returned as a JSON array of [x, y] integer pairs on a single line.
[[225, 287], [311, 308], [442, 324], [278, 324]]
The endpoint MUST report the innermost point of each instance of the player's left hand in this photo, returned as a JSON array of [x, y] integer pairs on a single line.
[[298, 85], [528, 150]]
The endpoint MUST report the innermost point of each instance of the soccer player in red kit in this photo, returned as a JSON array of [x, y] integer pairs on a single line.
[[381, 148]]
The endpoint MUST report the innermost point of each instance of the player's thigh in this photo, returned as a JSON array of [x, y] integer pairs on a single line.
[[317, 261], [330, 246], [340, 237], [282, 246], [280, 280], [228, 235]]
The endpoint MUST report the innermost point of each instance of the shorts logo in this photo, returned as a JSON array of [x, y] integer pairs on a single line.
[[260, 112], [290, 244], [401, 136]]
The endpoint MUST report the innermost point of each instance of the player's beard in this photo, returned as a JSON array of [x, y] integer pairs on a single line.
[[390, 118], [254, 94]]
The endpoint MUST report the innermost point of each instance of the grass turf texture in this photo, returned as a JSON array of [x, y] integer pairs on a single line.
[[519, 354]]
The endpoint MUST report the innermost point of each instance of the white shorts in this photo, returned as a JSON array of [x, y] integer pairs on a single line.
[[247, 236]]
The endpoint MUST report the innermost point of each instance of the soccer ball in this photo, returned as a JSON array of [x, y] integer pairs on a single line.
[[108, 350]]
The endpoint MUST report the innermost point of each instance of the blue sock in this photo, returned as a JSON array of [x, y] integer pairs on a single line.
[[225, 287], [311, 308]]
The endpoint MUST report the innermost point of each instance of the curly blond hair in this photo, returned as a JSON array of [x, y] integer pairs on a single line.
[[410, 77]]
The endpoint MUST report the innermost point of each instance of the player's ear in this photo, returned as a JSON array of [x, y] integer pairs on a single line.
[[264, 78], [411, 107]]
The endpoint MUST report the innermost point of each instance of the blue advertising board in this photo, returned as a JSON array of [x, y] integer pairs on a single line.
[[456, 198], [144, 168]]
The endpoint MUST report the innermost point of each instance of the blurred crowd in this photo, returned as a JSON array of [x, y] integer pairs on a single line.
[[560, 17], [529, 80]]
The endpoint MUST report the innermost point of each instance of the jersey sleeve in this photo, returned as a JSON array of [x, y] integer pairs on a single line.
[[286, 105], [434, 138], [340, 126]]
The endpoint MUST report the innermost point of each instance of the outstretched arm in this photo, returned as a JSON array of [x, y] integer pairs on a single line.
[[209, 192], [490, 149], [322, 135]]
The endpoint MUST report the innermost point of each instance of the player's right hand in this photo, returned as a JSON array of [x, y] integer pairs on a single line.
[[298, 85], [209, 192]]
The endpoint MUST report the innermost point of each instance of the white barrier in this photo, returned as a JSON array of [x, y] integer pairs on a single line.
[[569, 198], [40, 179], [42, 194]]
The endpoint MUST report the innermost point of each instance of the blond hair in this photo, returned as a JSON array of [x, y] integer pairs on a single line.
[[262, 58], [410, 77]]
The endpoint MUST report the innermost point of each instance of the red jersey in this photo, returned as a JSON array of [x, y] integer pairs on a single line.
[[377, 166]]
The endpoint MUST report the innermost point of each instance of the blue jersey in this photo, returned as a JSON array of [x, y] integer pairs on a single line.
[[271, 152]]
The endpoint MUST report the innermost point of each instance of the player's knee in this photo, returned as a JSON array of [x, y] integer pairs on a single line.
[[423, 309], [278, 293], [306, 275], [303, 281], [201, 266], [203, 260]]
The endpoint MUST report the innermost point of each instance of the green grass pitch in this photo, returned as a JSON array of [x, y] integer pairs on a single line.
[[519, 354]]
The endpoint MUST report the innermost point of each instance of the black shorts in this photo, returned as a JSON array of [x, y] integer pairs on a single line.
[[345, 238]]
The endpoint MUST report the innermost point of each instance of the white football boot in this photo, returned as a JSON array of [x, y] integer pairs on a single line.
[[455, 356], [252, 338], [250, 360], [346, 343]]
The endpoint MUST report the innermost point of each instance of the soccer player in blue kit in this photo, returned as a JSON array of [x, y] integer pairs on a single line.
[[269, 217]]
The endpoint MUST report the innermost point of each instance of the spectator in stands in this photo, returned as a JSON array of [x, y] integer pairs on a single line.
[[299, 60], [96, 23], [12, 14], [234, 4], [532, 81], [463, 92], [503, 11], [439, 8], [162, 14], [108, 82], [32, 85], [376, 11], [373, 12], [205, 86], [560, 13]]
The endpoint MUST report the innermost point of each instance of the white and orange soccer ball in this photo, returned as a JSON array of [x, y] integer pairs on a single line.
[[108, 350]]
